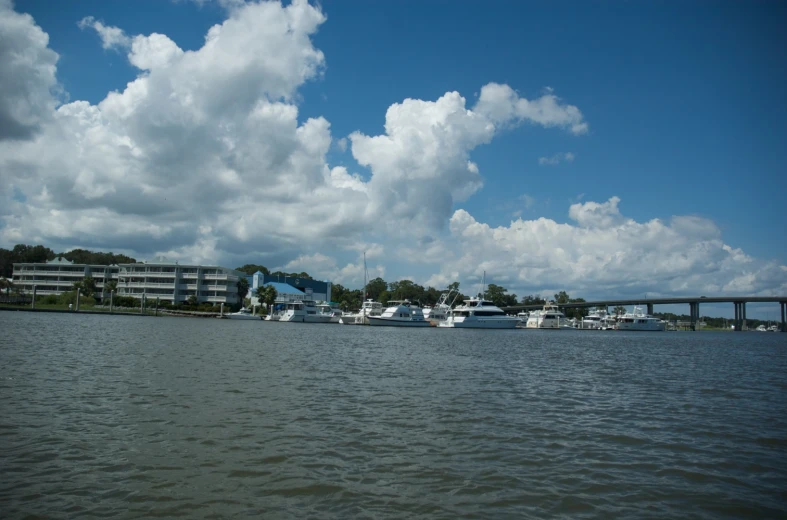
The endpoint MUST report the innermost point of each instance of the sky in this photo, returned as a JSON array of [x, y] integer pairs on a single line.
[[608, 149]]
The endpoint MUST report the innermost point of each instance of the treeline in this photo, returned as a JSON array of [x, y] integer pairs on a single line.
[[253, 268], [22, 253]]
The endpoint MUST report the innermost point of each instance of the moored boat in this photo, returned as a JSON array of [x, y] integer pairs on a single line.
[[400, 313], [242, 314], [550, 317], [638, 320], [477, 313]]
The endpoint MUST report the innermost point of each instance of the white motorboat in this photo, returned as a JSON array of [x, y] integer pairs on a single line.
[[304, 311], [477, 313], [761, 328], [292, 312], [638, 320], [332, 313], [368, 308], [242, 314], [595, 320], [550, 317], [441, 309], [400, 313]]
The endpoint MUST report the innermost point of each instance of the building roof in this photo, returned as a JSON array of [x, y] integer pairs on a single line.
[[284, 288]]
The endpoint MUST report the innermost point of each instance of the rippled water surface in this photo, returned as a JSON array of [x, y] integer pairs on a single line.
[[123, 417]]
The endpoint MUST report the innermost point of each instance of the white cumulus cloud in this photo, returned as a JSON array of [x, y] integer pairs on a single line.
[[204, 157], [556, 159]]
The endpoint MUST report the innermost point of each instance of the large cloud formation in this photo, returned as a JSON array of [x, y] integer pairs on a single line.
[[202, 157]]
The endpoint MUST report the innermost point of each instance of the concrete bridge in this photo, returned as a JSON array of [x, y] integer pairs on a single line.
[[739, 303]]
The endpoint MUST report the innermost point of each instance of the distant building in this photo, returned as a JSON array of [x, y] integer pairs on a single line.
[[59, 275], [290, 288], [177, 282], [164, 280]]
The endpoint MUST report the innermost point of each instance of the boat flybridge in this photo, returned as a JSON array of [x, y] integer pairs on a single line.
[[477, 313], [638, 320], [550, 317], [400, 313]]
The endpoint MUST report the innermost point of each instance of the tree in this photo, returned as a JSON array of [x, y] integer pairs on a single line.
[[619, 310], [253, 268], [375, 287], [453, 286], [531, 299], [6, 284], [86, 286], [192, 300], [266, 294], [497, 294], [562, 297], [243, 287], [110, 286]]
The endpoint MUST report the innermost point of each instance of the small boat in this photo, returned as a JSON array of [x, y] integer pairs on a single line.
[[594, 320], [400, 313], [761, 328], [242, 314], [550, 317]]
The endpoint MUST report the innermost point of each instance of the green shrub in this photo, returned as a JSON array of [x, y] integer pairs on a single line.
[[70, 298]]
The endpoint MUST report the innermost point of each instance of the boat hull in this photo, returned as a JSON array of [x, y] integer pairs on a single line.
[[388, 322], [653, 327], [479, 324]]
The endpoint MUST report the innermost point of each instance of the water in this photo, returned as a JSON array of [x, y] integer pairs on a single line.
[[125, 417]]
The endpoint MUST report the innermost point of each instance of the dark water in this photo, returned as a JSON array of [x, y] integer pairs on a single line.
[[123, 417]]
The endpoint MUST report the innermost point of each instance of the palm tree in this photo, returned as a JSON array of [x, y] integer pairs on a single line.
[[243, 288], [266, 294], [6, 284]]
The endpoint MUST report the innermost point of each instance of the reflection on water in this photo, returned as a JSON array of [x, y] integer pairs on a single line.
[[119, 416]]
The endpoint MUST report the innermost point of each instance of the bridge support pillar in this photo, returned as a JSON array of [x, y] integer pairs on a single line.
[[736, 322], [693, 316], [783, 306], [743, 316], [650, 309]]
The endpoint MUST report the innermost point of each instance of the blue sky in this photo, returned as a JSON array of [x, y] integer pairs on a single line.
[[683, 100]]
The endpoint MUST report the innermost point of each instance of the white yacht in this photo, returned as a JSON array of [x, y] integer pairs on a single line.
[[477, 313], [333, 314], [523, 316], [400, 313], [595, 320], [638, 320], [304, 311], [368, 308], [550, 317], [292, 311], [242, 314]]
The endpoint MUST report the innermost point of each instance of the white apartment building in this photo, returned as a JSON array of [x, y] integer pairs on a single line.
[[176, 282], [58, 276], [163, 280]]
